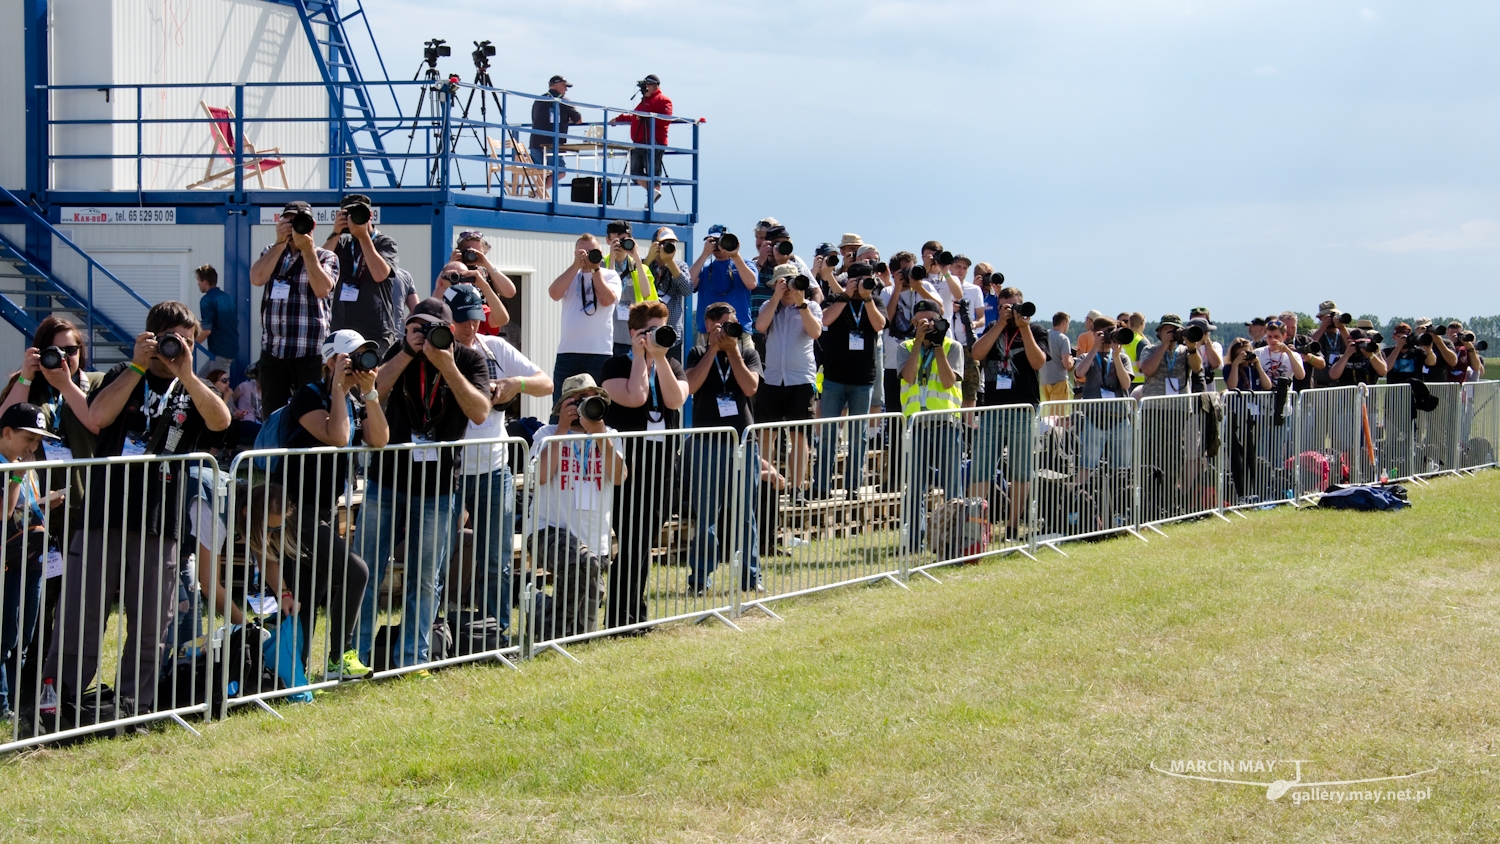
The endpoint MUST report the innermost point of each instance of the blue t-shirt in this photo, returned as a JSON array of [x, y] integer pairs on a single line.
[[218, 315], [991, 307], [720, 282]]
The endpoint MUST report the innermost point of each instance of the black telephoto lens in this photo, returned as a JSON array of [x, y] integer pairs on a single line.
[[944, 258], [627, 244], [881, 267], [732, 329], [1346, 318], [1482, 346], [800, 282], [359, 213], [784, 247], [1424, 339], [664, 337], [470, 257], [591, 408], [169, 346], [595, 256], [869, 283], [438, 335], [1193, 333], [916, 273], [938, 331], [1468, 336], [728, 242], [303, 222], [52, 358], [1026, 309], [669, 248], [1124, 336], [364, 360], [831, 259]]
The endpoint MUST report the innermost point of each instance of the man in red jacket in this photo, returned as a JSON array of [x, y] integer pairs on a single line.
[[653, 101]]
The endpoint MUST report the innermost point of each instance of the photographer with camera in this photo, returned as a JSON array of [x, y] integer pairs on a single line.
[[720, 274], [1279, 360], [454, 274], [1363, 362], [341, 410], [647, 389], [930, 364], [1245, 372], [664, 260], [637, 284], [588, 292], [546, 113], [472, 251], [150, 404], [367, 264], [432, 388], [790, 324], [1013, 352], [852, 322], [572, 508], [723, 374], [1174, 366], [1105, 373], [1407, 356], [1467, 363], [646, 161], [774, 250], [296, 309], [1328, 342], [488, 490]]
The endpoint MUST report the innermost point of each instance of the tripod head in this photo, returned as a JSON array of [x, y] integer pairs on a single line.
[[483, 50]]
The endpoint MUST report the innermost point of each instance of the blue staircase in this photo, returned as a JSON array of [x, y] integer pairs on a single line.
[[29, 293], [355, 131]]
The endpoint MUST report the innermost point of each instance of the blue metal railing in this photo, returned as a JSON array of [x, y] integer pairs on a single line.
[[447, 144]]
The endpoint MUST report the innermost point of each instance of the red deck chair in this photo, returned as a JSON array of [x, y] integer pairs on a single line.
[[221, 126]]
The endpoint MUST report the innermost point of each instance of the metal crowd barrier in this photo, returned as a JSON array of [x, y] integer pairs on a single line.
[[155, 592]]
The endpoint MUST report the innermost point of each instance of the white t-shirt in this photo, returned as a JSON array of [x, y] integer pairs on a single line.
[[206, 526], [503, 361], [578, 497], [909, 300], [588, 325], [1276, 365], [975, 297]]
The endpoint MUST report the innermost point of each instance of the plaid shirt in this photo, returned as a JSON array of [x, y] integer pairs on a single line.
[[294, 327]]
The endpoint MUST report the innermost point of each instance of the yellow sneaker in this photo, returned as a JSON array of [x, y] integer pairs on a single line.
[[348, 666]]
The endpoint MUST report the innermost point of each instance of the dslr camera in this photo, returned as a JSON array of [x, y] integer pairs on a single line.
[[438, 335], [1119, 335], [662, 337], [800, 282], [170, 346], [51, 358], [359, 213], [729, 242], [364, 360], [591, 408], [937, 332], [944, 258], [783, 247], [303, 222], [869, 284], [595, 257], [628, 244], [1189, 334], [732, 330], [470, 257]]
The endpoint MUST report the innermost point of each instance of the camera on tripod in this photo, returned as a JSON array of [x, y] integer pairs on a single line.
[[482, 52], [434, 50]]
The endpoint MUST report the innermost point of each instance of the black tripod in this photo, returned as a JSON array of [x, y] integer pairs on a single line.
[[482, 86], [430, 54]]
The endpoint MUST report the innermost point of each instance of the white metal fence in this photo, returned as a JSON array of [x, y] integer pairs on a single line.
[[142, 589]]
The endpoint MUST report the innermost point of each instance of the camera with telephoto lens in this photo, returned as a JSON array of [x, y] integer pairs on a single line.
[[303, 222], [594, 256], [1190, 334], [1376, 337], [800, 282], [663, 337], [1479, 345], [359, 213], [1345, 318], [51, 358], [439, 335], [944, 258], [916, 273], [1120, 335], [869, 283], [881, 267], [364, 360], [1025, 309], [1423, 339], [591, 408], [784, 247], [729, 242], [668, 248], [831, 260], [628, 244], [470, 257], [937, 331], [169, 346], [732, 330]]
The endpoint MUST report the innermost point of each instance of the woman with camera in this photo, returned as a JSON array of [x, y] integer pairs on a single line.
[[647, 389], [342, 409], [852, 322], [1245, 373]]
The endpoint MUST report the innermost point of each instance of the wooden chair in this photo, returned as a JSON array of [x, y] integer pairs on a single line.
[[221, 126], [523, 177]]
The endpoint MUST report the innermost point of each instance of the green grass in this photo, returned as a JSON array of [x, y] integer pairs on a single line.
[[1016, 701]]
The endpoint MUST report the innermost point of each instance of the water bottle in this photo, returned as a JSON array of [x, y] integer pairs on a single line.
[[1291, 496], [48, 703]]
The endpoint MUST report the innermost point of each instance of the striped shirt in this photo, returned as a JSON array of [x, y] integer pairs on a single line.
[[293, 319]]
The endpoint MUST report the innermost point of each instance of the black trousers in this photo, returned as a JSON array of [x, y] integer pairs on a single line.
[[280, 378], [328, 573], [641, 504]]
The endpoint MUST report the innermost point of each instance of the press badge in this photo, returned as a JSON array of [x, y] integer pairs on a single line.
[[622, 312], [55, 450], [1003, 382], [728, 408], [281, 290], [52, 563], [856, 342], [659, 424], [135, 445], [1174, 386], [1106, 394], [423, 455], [349, 293], [586, 495]]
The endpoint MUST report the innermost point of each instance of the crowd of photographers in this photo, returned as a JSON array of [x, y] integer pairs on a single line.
[[350, 356]]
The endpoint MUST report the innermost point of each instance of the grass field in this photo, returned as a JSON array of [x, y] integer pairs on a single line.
[[1015, 701]]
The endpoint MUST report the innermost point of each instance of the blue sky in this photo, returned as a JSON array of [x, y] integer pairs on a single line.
[[1248, 156]]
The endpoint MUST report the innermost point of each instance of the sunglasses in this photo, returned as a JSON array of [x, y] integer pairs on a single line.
[[1275, 323], [470, 235], [70, 351], [223, 380]]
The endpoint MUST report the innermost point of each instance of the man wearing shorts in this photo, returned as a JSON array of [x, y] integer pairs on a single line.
[[790, 324]]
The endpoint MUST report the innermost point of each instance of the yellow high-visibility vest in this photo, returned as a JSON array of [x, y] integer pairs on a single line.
[[928, 392], [635, 277]]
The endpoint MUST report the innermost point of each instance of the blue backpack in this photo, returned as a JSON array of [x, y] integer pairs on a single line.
[[279, 428], [1364, 498]]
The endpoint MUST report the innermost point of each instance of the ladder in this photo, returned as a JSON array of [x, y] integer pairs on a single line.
[[355, 129]]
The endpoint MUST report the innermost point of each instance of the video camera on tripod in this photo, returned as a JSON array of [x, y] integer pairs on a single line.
[[483, 50], [435, 49]]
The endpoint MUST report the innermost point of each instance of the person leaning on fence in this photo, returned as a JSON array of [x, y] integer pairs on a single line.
[[341, 410], [571, 512], [151, 405], [220, 321], [1362, 363], [473, 252], [930, 365], [790, 324], [1014, 352], [488, 493], [296, 308], [588, 292], [852, 322], [1105, 373], [723, 375], [362, 299], [27, 545], [647, 389], [720, 275], [431, 391], [1405, 358]]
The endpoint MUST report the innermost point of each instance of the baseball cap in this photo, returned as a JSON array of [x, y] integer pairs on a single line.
[[345, 341], [866, 249], [1203, 323], [850, 240], [25, 416], [651, 79], [296, 205], [777, 232], [924, 306], [1328, 307], [860, 269], [767, 223], [1171, 319], [556, 78], [717, 229], [430, 309], [353, 198], [465, 302], [1260, 320], [665, 233]]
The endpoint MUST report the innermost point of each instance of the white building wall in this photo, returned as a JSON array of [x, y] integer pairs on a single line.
[[157, 262], [214, 42], [12, 95]]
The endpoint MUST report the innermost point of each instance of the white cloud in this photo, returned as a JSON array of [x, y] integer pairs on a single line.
[[1475, 234]]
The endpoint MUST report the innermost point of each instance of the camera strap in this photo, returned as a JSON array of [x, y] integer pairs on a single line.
[[586, 292], [635, 278], [290, 266]]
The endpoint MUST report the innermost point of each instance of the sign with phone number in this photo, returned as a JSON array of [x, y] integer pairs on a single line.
[[86, 216], [324, 216]]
